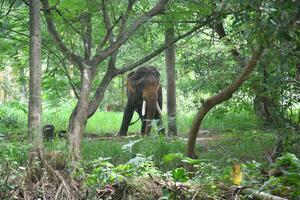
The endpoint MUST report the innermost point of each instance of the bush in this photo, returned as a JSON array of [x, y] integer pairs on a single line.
[[13, 115]]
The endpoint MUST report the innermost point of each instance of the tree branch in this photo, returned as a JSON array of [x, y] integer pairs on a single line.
[[107, 23], [219, 28], [101, 55], [99, 93], [105, 38], [162, 48], [74, 58], [125, 16], [66, 21], [10, 7], [86, 24]]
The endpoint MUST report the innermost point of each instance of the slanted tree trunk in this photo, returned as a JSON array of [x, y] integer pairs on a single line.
[[78, 119], [264, 106], [224, 95], [35, 103], [171, 86]]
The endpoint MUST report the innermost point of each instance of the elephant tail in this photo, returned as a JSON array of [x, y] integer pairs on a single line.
[[135, 121]]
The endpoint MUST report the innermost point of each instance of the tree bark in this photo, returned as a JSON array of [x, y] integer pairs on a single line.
[[224, 95], [35, 102], [78, 119], [171, 85]]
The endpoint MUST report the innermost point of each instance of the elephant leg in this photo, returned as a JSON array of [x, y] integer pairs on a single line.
[[160, 125], [128, 113]]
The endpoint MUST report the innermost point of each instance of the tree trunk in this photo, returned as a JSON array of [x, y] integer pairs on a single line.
[[224, 95], [297, 77], [23, 86], [171, 86], [78, 119], [35, 103]]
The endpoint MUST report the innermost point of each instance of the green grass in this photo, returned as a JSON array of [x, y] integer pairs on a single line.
[[103, 123], [155, 147], [238, 145]]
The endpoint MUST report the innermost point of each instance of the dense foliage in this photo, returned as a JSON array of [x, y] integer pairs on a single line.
[[252, 140]]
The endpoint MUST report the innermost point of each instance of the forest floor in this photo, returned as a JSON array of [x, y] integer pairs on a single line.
[[107, 159], [152, 166]]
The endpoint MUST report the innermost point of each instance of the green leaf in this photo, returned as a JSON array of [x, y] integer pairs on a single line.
[[180, 174], [191, 161], [171, 156]]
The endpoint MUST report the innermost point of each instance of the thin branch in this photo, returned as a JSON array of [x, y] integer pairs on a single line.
[[86, 25], [26, 2], [125, 16], [69, 79], [100, 56], [2, 4], [105, 38], [107, 23], [10, 7], [163, 47], [66, 21], [14, 31], [74, 58]]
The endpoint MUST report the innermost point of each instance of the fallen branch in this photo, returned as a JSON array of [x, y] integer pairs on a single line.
[[256, 194]]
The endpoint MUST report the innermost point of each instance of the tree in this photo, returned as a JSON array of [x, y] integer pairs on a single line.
[[35, 103], [117, 30], [224, 95], [264, 33], [88, 64], [171, 86]]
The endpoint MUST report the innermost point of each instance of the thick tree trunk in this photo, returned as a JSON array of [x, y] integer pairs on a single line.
[[35, 102], [171, 86], [266, 107], [79, 116], [224, 95]]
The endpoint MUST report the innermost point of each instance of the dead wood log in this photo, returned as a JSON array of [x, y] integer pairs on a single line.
[[256, 194]]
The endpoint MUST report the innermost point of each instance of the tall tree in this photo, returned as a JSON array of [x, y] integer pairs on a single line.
[[171, 85], [88, 64], [35, 103], [117, 31]]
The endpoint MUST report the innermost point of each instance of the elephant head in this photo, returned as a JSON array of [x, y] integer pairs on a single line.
[[145, 97]]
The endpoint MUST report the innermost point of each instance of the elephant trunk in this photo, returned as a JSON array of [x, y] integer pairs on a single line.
[[151, 108]]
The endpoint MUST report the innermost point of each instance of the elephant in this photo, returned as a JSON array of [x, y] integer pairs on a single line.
[[144, 95]]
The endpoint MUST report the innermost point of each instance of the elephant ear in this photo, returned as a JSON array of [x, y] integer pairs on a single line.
[[130, 86]]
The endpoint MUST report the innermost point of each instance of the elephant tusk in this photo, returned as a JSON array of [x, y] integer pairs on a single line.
[[144, 108], [158, 109]]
